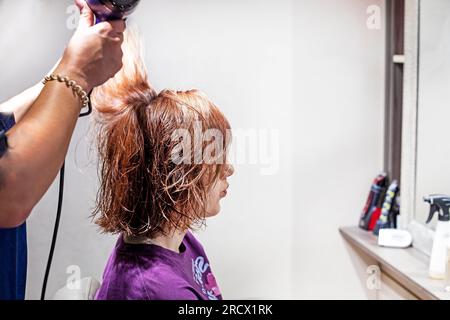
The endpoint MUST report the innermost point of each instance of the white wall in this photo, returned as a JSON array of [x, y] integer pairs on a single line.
[[310, 70], [339, 73]]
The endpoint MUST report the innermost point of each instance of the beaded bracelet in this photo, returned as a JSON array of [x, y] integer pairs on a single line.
[[77, 89]]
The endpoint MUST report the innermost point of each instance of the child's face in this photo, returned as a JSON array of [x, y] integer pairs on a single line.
[[217, 193]]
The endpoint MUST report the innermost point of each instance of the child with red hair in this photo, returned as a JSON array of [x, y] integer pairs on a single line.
[[163, 171]]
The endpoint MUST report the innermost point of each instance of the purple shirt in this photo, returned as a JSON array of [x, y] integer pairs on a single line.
[[150, 272]]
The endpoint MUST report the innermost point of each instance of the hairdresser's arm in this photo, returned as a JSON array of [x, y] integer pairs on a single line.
[[39, 142], [20, 104]]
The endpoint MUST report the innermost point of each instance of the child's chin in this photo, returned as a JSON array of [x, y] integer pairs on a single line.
[[214, 212]]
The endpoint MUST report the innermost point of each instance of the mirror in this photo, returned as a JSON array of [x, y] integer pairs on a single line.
[[433, 114]]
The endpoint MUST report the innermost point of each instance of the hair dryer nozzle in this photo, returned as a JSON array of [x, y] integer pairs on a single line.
[[112, 9]]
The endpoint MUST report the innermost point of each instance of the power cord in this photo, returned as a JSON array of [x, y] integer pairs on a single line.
[[58, 214]]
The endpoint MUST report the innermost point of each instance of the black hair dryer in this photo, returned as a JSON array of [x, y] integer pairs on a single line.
[[106, 10]]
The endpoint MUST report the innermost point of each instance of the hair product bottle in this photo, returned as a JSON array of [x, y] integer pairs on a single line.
[[438, 261]]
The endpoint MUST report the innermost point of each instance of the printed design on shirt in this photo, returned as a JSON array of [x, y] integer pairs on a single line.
[[209, 287]]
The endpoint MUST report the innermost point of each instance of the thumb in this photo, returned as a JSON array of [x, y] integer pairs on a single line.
[[86, 15]]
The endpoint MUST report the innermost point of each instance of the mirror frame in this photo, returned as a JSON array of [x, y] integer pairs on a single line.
[[422, 235]]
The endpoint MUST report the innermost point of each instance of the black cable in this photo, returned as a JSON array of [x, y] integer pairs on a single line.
[[55, 231], [58, 213]]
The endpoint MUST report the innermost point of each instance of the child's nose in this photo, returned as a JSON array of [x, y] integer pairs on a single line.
[[230, 170]]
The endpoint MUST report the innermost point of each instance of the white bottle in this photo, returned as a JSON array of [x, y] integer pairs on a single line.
[[438, 261], [447, 281]]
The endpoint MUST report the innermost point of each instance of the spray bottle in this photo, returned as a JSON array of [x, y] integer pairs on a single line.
[[438, 262]]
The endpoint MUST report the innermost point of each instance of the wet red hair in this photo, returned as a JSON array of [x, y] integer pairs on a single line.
[[143, 192]]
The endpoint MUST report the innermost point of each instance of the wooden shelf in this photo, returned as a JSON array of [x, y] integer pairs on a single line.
[[409, 267]]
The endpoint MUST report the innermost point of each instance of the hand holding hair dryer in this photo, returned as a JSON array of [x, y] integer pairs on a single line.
[[438, 262]]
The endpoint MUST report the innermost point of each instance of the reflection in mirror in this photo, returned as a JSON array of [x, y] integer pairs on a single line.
[[433, 140]]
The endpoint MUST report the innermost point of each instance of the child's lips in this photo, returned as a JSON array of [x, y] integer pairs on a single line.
[[224, 191]]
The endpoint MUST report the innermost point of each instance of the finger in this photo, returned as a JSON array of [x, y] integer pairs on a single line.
[[110, 28], [80, 3], [118, 25], [120, 37], [87, 18]]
